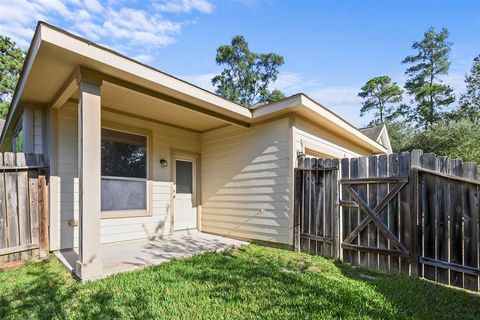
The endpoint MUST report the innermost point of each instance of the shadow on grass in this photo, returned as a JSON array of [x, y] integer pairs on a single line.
[[417, 297], [44, 290]]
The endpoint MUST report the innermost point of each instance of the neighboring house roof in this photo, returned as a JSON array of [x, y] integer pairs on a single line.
[[378, 133], [372, 132], [55, 55]]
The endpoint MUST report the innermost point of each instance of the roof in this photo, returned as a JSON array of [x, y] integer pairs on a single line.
[[373, 132], [378, 133], [62, 52]]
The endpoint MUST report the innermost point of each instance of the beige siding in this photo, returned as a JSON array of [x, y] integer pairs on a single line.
[[309, 136], [38, 131], [67, 175], [245, 182], [161, 140]]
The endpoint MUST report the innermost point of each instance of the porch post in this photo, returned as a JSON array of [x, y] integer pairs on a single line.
[[89, 264]]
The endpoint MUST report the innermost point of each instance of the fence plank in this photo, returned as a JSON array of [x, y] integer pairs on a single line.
[[382, 193], [470, 218], [304, 206], [393, 212], [456, 191], [416, 208], [43, 207], [354, 213], [327, 211], [33, 205], [298, 203], [313, 217], [345, 225], [336, 214], [24, 223], [442, 219], [32, 160], [12, 204], [318, 214], [405, 229], [430, 200], [363, 193], [372, 202], [3, 213]]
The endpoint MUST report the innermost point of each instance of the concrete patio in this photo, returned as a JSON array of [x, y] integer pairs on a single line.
[[131, 255]]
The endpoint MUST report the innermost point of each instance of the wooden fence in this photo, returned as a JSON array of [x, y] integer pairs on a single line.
[[410, 213], [23, 207]]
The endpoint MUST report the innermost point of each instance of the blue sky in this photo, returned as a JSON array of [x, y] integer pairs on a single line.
[[331, 48]]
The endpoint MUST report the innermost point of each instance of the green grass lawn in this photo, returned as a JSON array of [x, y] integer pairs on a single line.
[[250, 282]]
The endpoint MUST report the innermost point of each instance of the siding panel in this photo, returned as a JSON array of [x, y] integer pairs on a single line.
[[245, 182], [325, 142]]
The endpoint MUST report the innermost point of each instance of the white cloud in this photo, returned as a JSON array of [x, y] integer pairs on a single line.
[[145, 58], [337, 96], [93, 5], [121, 25], [177, 6], [203, 80], [291, 83]]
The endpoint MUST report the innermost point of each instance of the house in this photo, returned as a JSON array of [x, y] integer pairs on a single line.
[[136, 153]]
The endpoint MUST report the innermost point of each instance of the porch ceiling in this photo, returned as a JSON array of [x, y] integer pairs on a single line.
[[131, 103]]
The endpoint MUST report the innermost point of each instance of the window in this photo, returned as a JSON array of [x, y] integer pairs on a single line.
[[184, 176], [17, 142], [124, 171]]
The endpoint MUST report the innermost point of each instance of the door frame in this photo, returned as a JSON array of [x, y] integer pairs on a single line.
[[178, 154]]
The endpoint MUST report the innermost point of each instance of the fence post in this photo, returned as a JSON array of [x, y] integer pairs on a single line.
[[414, 221], [43, 219]]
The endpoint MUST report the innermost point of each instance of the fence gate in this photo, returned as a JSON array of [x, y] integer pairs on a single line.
[[376, 224], [315, 203]]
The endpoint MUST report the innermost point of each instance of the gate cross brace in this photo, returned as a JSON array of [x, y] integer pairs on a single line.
[[373, 215]]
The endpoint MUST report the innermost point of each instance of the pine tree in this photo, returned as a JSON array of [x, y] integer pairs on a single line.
[[11, 62], [247, 75], [430, 94], [380, 96], [470, 101]]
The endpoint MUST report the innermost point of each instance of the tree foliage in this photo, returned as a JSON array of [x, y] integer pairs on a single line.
[[470, 101], [430, 95], [380, 96], [247, 75], [447, 138], [11, 62]]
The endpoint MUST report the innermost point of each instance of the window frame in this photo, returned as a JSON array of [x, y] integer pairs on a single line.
[[129, 213]]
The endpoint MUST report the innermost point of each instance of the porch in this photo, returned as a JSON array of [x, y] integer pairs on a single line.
[[132, 255]]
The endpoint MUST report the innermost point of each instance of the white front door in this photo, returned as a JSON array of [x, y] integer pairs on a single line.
[[184, 210]]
